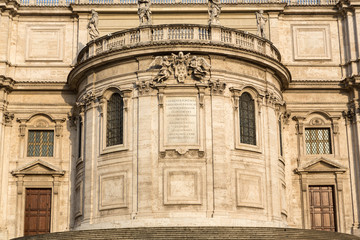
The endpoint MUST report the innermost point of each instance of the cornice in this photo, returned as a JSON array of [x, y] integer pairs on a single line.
[[9, 6], [6, 82]]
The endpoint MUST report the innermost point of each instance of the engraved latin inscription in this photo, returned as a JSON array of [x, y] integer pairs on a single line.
[[181, 120]]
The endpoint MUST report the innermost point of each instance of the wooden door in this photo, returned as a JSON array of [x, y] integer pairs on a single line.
[[322, 208], [37, 211]]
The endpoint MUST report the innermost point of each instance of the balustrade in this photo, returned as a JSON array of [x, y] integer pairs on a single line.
[[67, 2], [183, 33]]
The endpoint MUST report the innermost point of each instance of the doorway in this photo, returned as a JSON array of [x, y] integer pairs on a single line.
[[322, 208], [37, 211]]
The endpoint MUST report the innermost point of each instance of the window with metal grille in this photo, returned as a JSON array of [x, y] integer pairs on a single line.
[[40, 143], [247, 119], [317, 141], [114, 122]]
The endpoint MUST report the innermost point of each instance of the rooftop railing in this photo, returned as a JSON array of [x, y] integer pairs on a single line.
[[178, 33], [68, 2]]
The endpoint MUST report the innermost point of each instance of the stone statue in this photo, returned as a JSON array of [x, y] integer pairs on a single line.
[[93, 24], [214, 9], [261, 21], [165, 70], [199, 67], [144, 12]]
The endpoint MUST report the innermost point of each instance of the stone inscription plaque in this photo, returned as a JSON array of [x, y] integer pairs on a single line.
[[181, 120]]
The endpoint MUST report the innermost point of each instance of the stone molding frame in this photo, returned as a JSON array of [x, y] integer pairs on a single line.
[[322, 52], [113, 197], [178, 182], [258, 100], [37, 174], [40, 121], [103, 100], [322, 172], [197, 92], [317, 119], [247, 183]]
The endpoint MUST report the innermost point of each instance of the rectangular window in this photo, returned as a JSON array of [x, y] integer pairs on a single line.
[[318, 141], [40, 143]]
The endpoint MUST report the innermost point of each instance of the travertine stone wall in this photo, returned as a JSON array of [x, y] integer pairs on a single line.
[[210, 179], [165, 179]]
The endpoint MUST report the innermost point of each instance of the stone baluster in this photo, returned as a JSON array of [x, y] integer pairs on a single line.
[[165, 32], [256, 46], [215, 33], [268, 49], [127, 38], [196, 33], [145, 34], [233, 37]]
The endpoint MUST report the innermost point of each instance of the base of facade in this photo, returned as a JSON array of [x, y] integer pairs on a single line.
[[181, 222]]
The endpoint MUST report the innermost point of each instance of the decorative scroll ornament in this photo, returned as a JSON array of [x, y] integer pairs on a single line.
[[93, 25], [143, 87], [144, 12], [181, 66], [86, 99], [218, 87], [8, 117], [261, 21]]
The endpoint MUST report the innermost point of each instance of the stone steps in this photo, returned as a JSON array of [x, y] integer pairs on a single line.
[[162, 233]]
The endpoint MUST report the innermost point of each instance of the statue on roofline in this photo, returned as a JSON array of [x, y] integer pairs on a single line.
[[144, 12], [93, 25], [261, 21], [214, 10]]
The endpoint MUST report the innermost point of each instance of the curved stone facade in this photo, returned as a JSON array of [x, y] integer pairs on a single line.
[[181, 160]]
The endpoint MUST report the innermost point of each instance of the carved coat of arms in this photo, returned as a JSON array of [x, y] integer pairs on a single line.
[[181, 66]]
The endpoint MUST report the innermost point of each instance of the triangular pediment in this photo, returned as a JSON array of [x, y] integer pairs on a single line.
[[38, 167], [322, 165]]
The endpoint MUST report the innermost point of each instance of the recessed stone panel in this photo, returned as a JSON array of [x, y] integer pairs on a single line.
[[249, 190], [311, 42], [182, 186], [113, 191], [283, 198], [45, 43], [78, 199]]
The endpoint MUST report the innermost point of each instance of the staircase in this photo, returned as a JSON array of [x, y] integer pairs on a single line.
[[162, 233]]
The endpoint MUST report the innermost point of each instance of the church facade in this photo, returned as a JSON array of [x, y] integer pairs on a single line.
[[179, 113]]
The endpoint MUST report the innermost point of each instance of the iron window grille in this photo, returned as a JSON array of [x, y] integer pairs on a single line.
[[114, 120], [317, 141], [40, 143], [247, 119]]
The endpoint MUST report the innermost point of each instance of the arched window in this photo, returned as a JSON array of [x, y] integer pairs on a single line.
[[114, 120], [247, 119]]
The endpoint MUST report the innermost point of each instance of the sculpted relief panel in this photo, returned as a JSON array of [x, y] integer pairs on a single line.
[[44, 43], [311, 42]]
